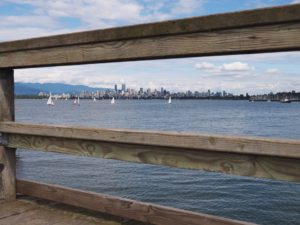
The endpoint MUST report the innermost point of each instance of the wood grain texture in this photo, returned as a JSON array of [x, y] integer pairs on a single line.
[[7, 155], [32, 211], [8, 209], [280, 168], [257, 17], [7, 110], [148, 213], [229, 144], [271, 38]]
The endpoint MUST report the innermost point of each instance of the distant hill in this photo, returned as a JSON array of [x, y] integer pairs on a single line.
[[55, 88], [25, 90]]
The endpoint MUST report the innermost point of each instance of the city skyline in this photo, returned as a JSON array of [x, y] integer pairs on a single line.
[[163, 93], [240, 73]]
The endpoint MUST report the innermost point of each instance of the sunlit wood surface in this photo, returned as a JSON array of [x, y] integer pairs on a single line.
[[33, 211]]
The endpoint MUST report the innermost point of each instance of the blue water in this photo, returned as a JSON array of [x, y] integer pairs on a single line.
[[256, 200]]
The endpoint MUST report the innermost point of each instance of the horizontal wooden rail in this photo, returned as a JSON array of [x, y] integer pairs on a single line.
[[275, 159], [262, 30], [231, 144], [148, 213]]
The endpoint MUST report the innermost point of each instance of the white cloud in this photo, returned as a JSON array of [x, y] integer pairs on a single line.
[[85, 9], [205, 66], [186, 6], [236, 66], [21, 21], [273, 71], [49, 17], [237, 69], [295, 2]]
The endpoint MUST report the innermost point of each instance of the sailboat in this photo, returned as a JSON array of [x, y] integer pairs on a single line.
[[94, 99], [170, 101], [112, 101], [76, 101], [50, 101], [286, 100]]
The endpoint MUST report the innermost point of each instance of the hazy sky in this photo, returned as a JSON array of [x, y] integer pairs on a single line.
[[238, 74]]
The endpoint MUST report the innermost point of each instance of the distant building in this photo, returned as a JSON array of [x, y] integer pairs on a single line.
[[116, 88], [141, 91], [123, 87]]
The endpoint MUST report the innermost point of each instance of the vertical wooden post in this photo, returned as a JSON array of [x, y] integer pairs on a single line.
[[7, 155]]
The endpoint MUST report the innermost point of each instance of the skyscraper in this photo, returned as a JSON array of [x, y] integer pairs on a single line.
[[123, 87], [161, 90], [116, 88]]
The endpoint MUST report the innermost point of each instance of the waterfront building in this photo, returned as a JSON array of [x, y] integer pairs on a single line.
[[141, 91]]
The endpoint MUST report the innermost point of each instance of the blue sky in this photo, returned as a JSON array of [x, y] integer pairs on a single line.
[[238, 74]]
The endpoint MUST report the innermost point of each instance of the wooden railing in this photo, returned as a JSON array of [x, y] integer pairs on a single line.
[[267, 158], [263, 30]]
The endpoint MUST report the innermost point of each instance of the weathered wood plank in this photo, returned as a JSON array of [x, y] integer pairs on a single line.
[[7, 155], [34, 211], [257, 17], [273, 38], [148, 213], [12, 208], [280, 168], [230, 144]]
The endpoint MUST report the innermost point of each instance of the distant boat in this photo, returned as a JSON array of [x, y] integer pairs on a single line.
[[286, 100], [66, 98], [112, 101], [50, 101], [170, 101], [268, 100], [94, 99], [76, 101]]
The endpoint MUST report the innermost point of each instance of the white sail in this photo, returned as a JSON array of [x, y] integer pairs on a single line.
[[170, 101], [94, 99], [113, 101], [76, 101], [50, 101]]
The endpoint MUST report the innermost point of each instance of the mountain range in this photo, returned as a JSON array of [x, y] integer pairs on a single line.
[[55, 88]]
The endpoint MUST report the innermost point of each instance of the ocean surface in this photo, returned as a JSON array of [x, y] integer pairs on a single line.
[[256, 200]]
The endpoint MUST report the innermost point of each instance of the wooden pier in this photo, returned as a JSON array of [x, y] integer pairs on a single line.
[[274, 29]]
